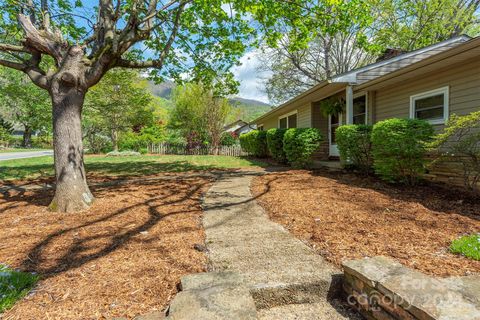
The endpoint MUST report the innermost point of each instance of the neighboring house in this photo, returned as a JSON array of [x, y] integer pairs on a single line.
[[430, 83], [238, 127]]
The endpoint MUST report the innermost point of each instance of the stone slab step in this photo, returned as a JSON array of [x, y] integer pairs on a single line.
[[315, 311], [212, 296]]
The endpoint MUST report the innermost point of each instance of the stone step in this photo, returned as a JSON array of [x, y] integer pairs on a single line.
[[313, 311], [212, 296]]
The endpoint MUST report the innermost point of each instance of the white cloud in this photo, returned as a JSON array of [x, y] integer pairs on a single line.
[[250, 78]]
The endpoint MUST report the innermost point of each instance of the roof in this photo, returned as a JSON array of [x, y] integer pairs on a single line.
[[370, 72], [239, 122]]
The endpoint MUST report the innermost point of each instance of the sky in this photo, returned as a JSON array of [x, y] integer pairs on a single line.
[[251, 80]]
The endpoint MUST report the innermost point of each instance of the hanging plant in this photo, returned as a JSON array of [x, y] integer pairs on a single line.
[[332, 106]]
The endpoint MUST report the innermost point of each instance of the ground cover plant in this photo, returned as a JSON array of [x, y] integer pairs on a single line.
[[346, 216], [469, 246], [42, 167], [14, 285]]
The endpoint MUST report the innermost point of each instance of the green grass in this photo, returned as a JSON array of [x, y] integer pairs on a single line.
[[123, 166], [469, 246], [14, 285], [20, 150]]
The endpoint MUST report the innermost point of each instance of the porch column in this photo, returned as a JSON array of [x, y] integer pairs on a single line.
[[349, 106]]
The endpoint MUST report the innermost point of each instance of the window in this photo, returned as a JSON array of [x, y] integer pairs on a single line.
[[260, 127], [334, 124], [431, 106], [360, 110], [288, 121]]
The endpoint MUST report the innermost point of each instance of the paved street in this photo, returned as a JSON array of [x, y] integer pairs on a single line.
[[27, 154]]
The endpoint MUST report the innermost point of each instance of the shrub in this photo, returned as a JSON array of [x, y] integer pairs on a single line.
[[275, 144], [255, 143], [355, 146], [229, 139], [469, 246], [300, 144], [399, 147], [462, 138]]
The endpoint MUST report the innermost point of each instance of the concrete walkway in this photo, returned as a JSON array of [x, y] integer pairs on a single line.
[[25, 154], [286, 278]]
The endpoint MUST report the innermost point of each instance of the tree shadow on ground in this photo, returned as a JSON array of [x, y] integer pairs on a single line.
[[437, 197], [99, 236]]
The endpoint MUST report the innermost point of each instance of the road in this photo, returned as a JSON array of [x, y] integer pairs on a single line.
[[26, 154]]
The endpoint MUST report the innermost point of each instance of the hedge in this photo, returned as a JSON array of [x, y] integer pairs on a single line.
[[299, 144], [355, 146], [275, 144], [255, 143], [399, 147]]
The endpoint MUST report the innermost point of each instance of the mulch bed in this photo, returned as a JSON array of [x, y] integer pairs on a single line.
[[123, 257], [346, 216]]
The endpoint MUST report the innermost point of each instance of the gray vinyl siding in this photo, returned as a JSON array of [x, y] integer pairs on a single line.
[[463, 81]]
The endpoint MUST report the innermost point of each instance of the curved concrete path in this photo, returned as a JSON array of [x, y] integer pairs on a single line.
[[25, 154], [286, 278]]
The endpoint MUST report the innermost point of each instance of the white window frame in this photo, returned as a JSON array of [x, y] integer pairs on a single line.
[[359, 94], [286, 115], [446, 99]]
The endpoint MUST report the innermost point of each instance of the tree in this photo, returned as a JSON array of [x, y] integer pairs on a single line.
[[411, 24], [405, 24], [196, 39], [117, 103], [23, 102], [199, 115]]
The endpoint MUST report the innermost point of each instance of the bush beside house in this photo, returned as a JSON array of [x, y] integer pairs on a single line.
[[355, 146], [255, 143], [461, 141], [399, 147], [300, 144], [275, 144]]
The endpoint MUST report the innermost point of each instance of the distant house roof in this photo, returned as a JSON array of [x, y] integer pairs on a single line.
[[235, 125], [370, 72]]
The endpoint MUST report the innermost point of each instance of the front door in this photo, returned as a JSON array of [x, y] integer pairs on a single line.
[[334, 121]]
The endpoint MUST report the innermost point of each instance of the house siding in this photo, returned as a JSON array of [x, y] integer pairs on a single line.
[[463, 81]]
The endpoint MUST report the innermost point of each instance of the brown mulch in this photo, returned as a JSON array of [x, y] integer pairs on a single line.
[[346, 216], [123, 257]]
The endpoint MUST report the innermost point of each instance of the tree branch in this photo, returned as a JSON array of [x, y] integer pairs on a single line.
[[14, 48]]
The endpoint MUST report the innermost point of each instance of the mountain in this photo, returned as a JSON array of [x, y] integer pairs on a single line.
[[245, 109]]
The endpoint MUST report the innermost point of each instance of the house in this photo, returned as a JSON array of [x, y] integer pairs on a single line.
[[238, 127], [430, 83]]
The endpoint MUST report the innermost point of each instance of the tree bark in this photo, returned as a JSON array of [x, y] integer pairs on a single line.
[[114, 137], [27, 137], [68, 94]]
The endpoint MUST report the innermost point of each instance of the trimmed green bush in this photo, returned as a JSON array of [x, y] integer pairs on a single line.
[[275, 144], [399, 147], [255, 143], [299, 145], [355, 146], [469, 246], [461, 138]]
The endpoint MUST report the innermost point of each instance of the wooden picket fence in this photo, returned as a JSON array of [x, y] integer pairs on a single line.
[[181, 149]]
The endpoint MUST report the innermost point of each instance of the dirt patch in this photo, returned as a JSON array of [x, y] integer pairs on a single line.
[[345, 216], [124, 257]]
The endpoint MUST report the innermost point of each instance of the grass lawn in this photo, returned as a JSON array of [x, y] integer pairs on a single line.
[[13, 286], [31, 168]]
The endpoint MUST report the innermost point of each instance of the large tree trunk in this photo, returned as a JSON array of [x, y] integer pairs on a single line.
[[72, 192], [114, 137], [27, 137]]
